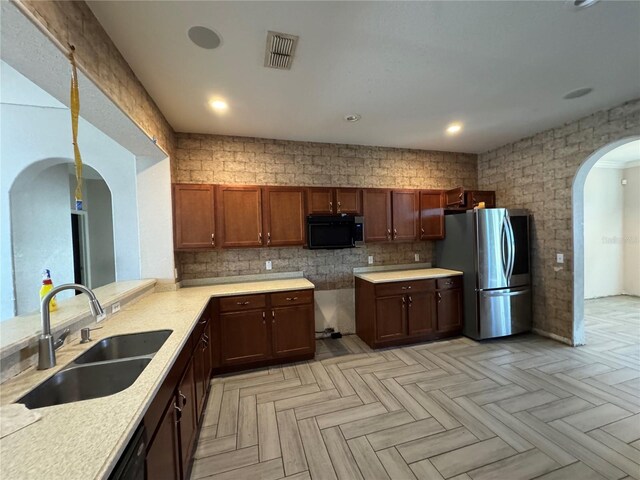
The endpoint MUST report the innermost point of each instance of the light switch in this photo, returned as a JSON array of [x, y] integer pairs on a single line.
[[268, 265], [559, 257], [416, 257], [370, 259]]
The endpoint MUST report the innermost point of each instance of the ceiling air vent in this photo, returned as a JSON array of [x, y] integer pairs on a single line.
[[280, 50]]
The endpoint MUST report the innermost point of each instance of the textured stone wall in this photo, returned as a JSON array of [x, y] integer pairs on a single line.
[[242, 160], [72, 22], [537, 173]]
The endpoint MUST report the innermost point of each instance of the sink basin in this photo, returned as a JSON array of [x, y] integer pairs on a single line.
[[85, 382], [124, 346]]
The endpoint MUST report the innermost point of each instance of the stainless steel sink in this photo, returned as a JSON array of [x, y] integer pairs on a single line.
[[84, 382], [124, 346]]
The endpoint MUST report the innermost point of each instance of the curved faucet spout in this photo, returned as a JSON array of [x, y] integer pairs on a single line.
[[46, 349]]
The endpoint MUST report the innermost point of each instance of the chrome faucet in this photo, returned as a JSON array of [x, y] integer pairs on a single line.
[[46, 346]]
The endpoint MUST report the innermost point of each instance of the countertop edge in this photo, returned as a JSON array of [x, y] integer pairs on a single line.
[[367, 277]]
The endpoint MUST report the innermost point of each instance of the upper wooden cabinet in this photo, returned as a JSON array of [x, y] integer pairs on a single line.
[[193, 216], [284, 216], [376, 205], [459, 198], [431, 215], [474, 197], [404, 216], [349, 201], [332, 201], [240, 216]]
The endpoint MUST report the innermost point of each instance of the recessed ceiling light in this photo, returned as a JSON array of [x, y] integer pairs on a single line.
[[219, 105], [454, 128], [580, 92], [204, 37], [584, 3], [354, 117]]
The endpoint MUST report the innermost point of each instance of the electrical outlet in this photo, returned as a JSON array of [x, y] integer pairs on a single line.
[[115, 308], [559, 257], [370, 259], [416, 257], [268, 265], [175, 273]]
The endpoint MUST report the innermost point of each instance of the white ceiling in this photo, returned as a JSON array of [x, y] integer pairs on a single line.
[[625, 156], [409, 68]]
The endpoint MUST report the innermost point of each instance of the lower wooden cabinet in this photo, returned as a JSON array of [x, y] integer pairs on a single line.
[[174, 417], [254, 330], [246, 337], [396, 313]]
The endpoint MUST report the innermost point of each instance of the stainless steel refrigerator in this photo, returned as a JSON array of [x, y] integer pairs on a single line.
[[491, 247]]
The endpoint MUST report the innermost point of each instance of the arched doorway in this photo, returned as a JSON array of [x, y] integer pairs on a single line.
[[47, 233], [577, 195]]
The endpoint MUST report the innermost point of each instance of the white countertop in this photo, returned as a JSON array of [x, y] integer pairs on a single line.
[[84, 440], [404, 275]]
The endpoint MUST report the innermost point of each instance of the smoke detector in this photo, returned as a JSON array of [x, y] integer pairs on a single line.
[[280, 50]]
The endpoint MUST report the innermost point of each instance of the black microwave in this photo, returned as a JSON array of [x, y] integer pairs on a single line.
[[334, 231]]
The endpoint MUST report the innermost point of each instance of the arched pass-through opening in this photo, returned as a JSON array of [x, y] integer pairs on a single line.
[[577, 205]]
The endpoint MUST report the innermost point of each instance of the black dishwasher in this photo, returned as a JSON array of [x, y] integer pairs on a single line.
[[131, 463]]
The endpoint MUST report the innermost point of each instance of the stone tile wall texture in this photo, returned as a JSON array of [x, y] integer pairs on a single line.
[[72, 22], [258, 161], [537, 173]]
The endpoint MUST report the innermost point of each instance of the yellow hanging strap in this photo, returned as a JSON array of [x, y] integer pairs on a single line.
[[75, 110]]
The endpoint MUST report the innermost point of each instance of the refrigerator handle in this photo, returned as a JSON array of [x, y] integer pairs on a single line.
[[512, 247], [504, 248]]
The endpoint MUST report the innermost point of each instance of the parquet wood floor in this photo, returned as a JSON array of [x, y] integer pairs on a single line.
[[518, 408]]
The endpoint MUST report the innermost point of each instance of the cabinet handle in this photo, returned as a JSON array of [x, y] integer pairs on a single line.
[[403, 300], [213, 239], [243, 303], [182, 396], [388, 234], [449, 282], [202, 322], [260, 237], [268, 238], [292, 298], [178, 413], [330, 206], [273, 313], [406, 288], [422, 231], [264, 316], [395, 233], [410, 300], [439, 297], [339, 207]]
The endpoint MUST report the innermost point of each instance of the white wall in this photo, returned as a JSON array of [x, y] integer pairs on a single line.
[[41, 234], [34, 135], [155, 219], [100, 227], [603, 233], [631, 219]]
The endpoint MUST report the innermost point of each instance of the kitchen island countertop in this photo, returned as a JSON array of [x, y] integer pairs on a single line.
[[405, 275]]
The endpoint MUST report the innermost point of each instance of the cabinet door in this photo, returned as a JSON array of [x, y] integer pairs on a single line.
[[202, 371], [348, 200], [163, 457], [431, 215], [390, 318], [454, 197], [377, 215], [193, 216], [449, 310], [244, 337], [422, 313], [292, 331], [320, 201], [240, 217], [186, 396], [405, 215], [284, 216], [476, 196]]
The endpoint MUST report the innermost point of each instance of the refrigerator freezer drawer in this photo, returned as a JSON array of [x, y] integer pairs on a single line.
[[504, 312]]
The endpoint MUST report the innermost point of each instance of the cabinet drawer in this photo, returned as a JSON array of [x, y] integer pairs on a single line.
[[399, 288], [242, 302], [449, 282], [297, 297]]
